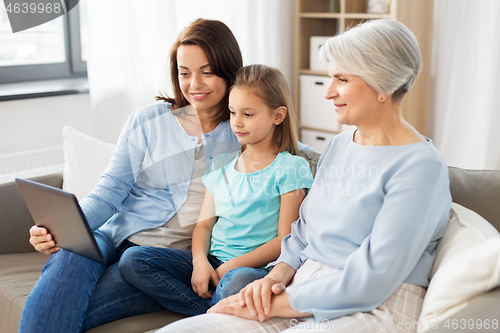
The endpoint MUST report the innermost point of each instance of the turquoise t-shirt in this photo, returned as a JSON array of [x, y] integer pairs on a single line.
[[247, 204]]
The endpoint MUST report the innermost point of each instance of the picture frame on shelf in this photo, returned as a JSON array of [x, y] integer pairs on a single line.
[[377, 6], [315, 44]]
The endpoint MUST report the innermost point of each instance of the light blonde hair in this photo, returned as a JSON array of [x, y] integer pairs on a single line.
[[384, 53], [270, 85]]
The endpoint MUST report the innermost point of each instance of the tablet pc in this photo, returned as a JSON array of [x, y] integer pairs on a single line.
[[59, 212]]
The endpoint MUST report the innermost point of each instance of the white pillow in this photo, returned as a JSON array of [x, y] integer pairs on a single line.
[[465, 230], [85, 159], [467, 264]]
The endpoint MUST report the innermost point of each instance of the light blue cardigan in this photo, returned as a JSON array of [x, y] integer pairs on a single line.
[[376, 213]]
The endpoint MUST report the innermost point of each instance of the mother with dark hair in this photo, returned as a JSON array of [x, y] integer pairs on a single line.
[[150, 193], [359, 256]]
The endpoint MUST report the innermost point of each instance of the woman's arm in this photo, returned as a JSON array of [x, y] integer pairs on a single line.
[[99, 205], [203, 271], [118, 178], [267, 252]]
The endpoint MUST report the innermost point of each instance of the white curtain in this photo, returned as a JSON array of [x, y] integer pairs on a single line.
[[130, 42], [465, 91]]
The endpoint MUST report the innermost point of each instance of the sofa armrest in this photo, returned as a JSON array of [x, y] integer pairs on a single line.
[[15, 219]]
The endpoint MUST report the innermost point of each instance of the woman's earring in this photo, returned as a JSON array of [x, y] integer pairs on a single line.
[[381, 98]]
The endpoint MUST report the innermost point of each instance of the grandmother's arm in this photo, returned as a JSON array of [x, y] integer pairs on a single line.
[[415, 210]]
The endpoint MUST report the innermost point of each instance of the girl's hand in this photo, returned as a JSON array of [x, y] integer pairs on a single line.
[[203, 273], [42, 241]]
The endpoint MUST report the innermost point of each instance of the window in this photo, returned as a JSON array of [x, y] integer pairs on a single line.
[[49, 51]]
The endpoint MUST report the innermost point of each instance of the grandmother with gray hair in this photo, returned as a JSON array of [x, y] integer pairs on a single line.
[[359, 256]]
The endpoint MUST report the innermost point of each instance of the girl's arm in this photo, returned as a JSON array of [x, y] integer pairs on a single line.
[[264, 254], [203, 271]]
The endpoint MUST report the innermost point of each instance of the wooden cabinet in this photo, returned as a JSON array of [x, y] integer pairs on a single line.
[[327, 18]]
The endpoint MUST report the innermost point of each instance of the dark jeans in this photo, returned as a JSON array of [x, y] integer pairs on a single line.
[[75, 294], [165, 275]]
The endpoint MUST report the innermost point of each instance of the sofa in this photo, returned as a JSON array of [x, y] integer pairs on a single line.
[[20, 265]]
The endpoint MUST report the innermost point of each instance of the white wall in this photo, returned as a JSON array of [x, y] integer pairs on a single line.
[[31, 129]]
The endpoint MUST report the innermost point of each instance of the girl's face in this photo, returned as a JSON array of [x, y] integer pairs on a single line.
[[203, 89], [355, 101], [252, 121]]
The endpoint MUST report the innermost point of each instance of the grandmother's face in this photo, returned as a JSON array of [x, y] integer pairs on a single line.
[[355, 101]]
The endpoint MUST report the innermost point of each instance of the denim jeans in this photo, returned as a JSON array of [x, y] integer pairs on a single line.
[[165, 275], [235, 280], [75, 294]]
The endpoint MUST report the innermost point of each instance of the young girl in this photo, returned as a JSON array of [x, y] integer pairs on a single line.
[[251, 199]]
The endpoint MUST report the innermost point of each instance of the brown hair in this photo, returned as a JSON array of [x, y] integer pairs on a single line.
[[223, 54], [270, 85]]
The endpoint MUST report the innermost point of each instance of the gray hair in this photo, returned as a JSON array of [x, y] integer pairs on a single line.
[[384, 53]]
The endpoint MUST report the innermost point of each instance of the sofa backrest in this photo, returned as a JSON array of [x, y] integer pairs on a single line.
[[312, 158], [15, 219], [478, 190]]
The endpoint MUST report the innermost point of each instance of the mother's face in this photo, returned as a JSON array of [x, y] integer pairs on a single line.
[[355, 101], [199, 85]]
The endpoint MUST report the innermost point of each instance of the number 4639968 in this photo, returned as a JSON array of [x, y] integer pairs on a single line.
[[32, 8], [456, 324]]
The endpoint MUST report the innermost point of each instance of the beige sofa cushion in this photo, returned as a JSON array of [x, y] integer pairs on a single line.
[[18, 275]]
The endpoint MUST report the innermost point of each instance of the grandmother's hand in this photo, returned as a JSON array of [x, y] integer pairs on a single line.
[[281, 308], [232, 305], [257, 295]]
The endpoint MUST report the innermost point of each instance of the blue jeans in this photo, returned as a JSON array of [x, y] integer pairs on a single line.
[[165, 275], [75, 294]]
